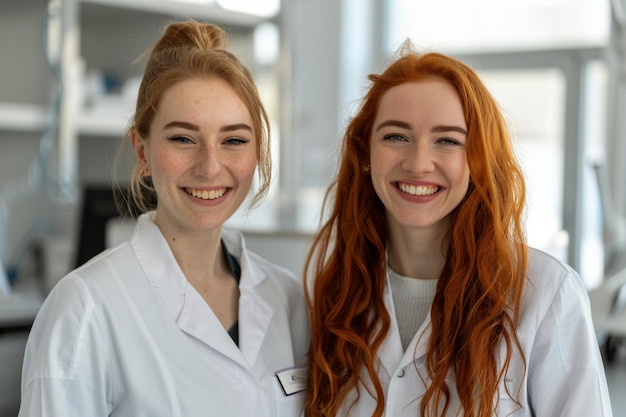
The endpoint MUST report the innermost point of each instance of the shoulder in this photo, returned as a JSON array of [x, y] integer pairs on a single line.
[[76, 292], [70, 296], [272, 269], [99, 269], [80, 295], [556, 328], [548, 273], [552, 286], [277, 279], [78, 302]]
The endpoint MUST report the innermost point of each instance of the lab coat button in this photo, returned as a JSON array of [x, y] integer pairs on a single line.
[[401, 373]]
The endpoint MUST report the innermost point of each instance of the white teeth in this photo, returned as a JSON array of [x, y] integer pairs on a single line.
[[206, 195], [418, 189]]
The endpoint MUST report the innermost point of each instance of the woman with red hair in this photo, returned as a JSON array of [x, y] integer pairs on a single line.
[[425, 299]]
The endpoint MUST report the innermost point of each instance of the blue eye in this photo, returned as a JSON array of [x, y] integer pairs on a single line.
[[180, 139], [394, 137], [236, 141], [448, 141]]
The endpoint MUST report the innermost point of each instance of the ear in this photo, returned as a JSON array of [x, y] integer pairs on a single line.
[[141, 149]]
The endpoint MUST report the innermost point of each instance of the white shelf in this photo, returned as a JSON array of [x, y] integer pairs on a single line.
[[111, 120], [102, 125], [109, 116], [183, 9], [30, 118], [21, 117]]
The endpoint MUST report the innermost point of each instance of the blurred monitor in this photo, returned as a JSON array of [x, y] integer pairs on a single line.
[[98, 208]]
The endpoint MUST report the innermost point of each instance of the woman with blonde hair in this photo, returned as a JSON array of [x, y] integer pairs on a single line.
[[182, 320], [425, 299]]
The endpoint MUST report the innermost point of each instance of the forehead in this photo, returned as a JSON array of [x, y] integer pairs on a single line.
[[203, 97], [433, 98]]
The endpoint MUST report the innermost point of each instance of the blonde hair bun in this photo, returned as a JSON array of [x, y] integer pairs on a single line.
[[192, 33]]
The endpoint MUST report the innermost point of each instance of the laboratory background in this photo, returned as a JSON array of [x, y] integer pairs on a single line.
[[68, 82]]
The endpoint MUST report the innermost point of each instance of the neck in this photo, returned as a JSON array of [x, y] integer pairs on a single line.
[[417, 253], [201, 258], [198, 253]]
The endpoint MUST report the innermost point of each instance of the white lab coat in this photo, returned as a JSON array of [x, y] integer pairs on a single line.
[[563, 376], [126, 335]]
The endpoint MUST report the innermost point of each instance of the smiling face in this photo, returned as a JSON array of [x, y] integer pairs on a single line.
[[418, 160], [201, 154]]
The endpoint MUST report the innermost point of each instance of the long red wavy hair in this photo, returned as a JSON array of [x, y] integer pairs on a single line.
[[478, 296]]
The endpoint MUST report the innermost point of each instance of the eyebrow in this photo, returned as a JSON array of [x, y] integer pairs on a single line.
[[393, 123], [405, 125], [184, 125], [196, 128], [237, 126], [450, 129]]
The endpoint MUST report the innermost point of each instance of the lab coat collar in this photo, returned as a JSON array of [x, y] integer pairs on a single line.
[[162, 271], [198, 320], [187, 308], [255, 312], [236, 246]]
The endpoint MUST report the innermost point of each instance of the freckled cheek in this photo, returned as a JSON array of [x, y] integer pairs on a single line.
[[380, 167], [247, 168], [164, 165]]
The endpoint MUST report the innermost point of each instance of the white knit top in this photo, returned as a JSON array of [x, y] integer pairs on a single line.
[[412, 299]]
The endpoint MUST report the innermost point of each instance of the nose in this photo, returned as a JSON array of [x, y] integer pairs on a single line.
[[208, 162], [419, 160]]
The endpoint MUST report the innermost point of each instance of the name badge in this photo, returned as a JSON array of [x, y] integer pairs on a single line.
[[293, 380]]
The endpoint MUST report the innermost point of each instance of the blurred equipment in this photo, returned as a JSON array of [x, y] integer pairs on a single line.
[[54, 180], [608, 300]]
